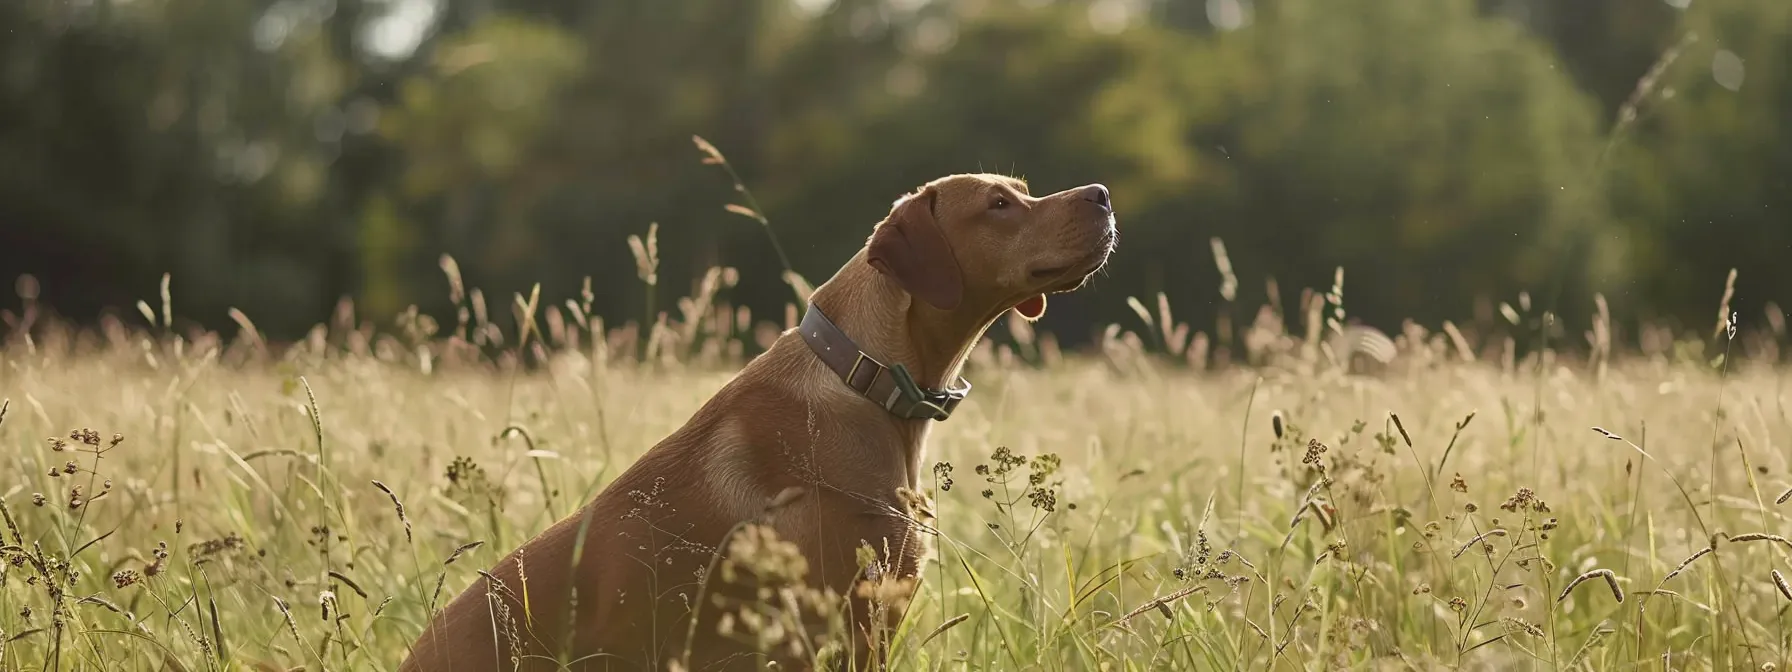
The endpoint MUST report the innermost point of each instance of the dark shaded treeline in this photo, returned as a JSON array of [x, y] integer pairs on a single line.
[[276, 155]]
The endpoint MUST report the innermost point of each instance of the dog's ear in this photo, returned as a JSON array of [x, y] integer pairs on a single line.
[[1032, 308], [910, 247]]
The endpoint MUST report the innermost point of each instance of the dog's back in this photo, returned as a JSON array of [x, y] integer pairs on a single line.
[[642, 546]]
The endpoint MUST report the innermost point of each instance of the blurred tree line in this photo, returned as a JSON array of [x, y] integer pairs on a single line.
[[276, 155]]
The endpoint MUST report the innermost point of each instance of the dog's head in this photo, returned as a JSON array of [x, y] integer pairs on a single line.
[[983, 240]]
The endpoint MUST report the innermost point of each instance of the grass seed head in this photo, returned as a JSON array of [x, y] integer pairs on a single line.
[[1611, 581], [1760, 536]]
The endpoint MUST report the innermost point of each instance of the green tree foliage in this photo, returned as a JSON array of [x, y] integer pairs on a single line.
[[1431, 151], [279, 154], [1704, 183]]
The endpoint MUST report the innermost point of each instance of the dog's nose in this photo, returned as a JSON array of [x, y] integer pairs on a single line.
[[1098, 195]]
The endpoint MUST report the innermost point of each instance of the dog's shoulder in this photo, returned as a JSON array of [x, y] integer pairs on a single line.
[[769, 426]]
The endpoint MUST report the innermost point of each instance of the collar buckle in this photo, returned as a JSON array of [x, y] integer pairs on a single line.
[[859, 364], [903, 398]]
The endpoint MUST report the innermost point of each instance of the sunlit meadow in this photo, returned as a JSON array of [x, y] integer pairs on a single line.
[[1308, 495]]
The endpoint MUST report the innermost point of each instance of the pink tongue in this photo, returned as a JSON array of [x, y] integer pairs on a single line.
[[1032, 308]]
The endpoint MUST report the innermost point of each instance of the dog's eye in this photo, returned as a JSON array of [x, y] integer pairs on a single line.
[[1000, 202]]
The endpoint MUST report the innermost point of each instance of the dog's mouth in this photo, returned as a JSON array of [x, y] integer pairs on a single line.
[[1067, 277], [1071, 283]]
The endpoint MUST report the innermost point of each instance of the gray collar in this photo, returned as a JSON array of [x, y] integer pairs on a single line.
[[891, 387]]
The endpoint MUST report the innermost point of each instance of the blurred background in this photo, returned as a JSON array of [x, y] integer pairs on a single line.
[[279, 155]]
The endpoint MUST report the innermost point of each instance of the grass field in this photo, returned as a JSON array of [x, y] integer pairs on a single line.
[[200, 503]]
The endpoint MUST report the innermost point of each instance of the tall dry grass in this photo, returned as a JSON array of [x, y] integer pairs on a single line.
[[1321, 497]]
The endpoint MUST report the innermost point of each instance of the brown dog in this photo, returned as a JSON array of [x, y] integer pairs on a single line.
[[818, 439]]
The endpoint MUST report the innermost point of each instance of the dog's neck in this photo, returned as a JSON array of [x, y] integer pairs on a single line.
[[892, 327]]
